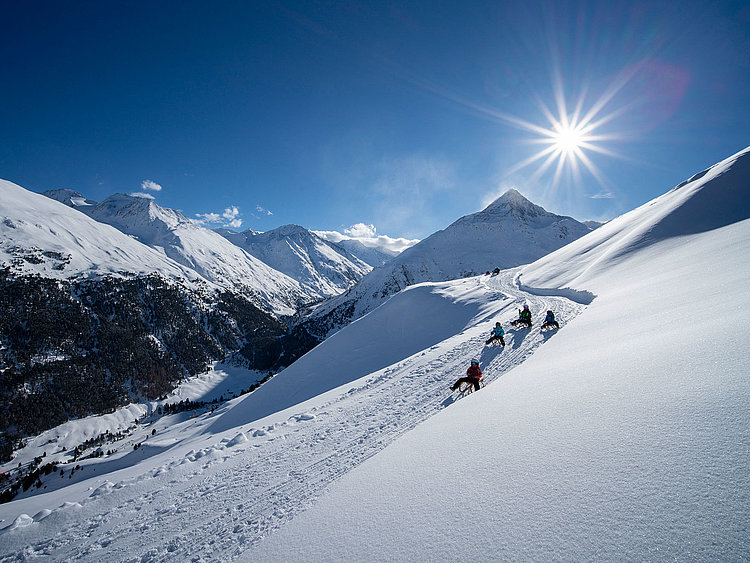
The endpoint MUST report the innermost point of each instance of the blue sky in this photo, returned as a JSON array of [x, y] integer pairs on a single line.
[[402, 115]]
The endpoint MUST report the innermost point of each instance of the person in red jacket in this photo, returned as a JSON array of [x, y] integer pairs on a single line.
[[473, 375]]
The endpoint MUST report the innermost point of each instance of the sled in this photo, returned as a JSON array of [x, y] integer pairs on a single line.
[[465, 387], [550, 326], [519, 323]]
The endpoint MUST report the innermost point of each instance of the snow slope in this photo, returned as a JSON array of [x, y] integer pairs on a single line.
[[509, 232], [202, 250], [323, 268], [624, 435]]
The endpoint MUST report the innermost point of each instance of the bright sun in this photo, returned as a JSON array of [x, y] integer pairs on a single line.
[[567, 141], [571, 136], [568, 138]]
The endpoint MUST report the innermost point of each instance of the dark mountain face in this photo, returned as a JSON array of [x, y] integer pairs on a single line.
[[69, 349]]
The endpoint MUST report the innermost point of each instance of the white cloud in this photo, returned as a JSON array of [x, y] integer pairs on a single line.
[[229, 218], [141, 194], [331, 236], [150, 185], [360, 230], [365, 234], [208, 217], [603, 195], [262, 210], [230, 213]]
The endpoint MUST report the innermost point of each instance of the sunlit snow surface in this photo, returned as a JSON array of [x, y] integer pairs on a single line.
[[623, 436]]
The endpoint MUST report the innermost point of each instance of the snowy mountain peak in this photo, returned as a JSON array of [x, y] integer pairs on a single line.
[[509, 232], [513, 202], [122, 210], [290, 231], [69, 197], [322, 267]]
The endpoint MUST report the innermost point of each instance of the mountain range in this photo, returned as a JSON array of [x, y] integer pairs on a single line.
[[509, 232], [322, 268]]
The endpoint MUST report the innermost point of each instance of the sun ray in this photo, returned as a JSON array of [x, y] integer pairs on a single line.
[[532, 159], [573, 132], [573, 124]]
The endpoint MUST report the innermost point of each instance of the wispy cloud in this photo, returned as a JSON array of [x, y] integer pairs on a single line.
[[262, 210], [143, 195], [603, 195], [405, 190], [150, 185], [208, 217]]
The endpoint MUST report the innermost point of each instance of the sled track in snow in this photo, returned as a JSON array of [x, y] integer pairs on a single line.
[[216, 505]]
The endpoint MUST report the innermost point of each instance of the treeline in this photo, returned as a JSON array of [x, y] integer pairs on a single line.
[[69, 349]]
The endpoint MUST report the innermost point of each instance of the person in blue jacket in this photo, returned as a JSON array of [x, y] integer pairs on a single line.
[[549, 321], [497, 334]]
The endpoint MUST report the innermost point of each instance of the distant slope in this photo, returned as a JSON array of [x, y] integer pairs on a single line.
[[509, 232], [93, 318], [69, 197], [323, 268]]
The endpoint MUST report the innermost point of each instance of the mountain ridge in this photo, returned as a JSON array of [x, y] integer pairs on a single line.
[[324, 268]]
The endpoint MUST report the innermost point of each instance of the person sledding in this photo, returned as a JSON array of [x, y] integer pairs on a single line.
[[549, 321], [473, 376], [524, 317], [496, 335], [496, 271]]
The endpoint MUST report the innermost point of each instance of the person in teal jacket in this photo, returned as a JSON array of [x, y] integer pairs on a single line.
[[497, 334]]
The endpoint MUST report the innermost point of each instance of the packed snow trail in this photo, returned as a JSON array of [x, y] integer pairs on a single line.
[[215, 501]]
